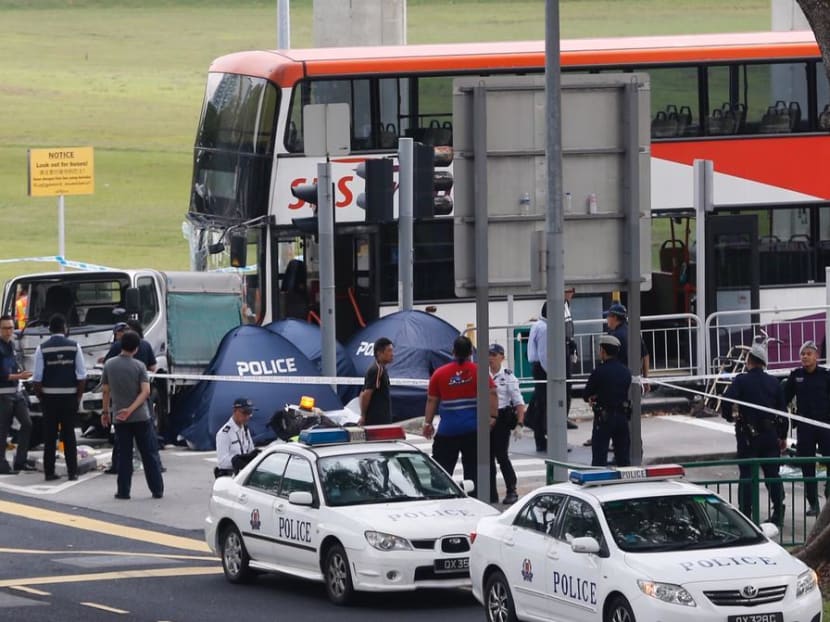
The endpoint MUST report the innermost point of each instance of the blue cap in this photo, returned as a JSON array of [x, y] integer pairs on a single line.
[[119, 327], [244, 403], [617, 309], [496, 349]]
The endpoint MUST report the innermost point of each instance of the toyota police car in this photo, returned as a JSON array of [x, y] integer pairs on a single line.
[[368, 516], [628, 544]]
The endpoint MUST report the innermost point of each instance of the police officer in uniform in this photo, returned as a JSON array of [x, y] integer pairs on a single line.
[[810, 386], [13, 402], [759, 434], [234, 445], [59, 379], [607, 392], [510, 414]]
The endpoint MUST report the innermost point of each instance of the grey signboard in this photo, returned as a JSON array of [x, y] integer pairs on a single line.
[[596, 147]]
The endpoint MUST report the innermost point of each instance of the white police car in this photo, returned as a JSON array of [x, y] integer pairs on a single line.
[[650, 548], [368, 516]]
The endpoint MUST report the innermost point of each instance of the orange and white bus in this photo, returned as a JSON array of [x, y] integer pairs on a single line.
[[757, 104]]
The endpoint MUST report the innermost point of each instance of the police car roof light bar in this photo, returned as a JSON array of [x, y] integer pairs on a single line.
[[324, 436], [626, 474], [384, 433]]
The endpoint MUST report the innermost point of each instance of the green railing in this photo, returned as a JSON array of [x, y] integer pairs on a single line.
[[795, 527]]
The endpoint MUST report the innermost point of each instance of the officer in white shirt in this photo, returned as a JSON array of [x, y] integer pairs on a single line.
[[234, 445], [510, 414]]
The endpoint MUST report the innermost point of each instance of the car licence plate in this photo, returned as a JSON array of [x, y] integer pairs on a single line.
[[758, 617], [454, 564]]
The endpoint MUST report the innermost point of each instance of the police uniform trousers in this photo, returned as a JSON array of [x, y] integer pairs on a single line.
[[14, 406], [808, 437], [764, 444], [613, 427], [499, 444], [144, 435], [59, 410], [445, 451], [540, 401]]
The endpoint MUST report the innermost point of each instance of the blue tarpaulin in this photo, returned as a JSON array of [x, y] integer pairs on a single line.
[[423, 342], [247, 351], [308, 338]]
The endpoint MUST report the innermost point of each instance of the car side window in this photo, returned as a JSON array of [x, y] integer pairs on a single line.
[[540, 513], [579, 520], [267, 476], [298, 477]]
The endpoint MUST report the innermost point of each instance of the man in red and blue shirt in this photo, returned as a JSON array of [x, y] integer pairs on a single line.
[[452, 395]]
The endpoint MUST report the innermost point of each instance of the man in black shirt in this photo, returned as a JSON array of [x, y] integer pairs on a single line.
[[375, 399]]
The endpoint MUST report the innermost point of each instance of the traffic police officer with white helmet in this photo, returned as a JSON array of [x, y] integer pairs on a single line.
[[234, 445]]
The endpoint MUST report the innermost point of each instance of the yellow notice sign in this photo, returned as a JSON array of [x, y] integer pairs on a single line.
[[61, 171]]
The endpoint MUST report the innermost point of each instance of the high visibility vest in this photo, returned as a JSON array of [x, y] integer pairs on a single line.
[[21, 310]]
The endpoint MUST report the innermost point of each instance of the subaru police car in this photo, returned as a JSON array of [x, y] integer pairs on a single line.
[[375, 515], [635, 544]]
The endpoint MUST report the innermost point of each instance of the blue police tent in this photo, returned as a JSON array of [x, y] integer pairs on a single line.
[[250, 351], [308, 338], [423, 342]]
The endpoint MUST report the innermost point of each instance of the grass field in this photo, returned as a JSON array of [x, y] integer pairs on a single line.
[[129, 81]]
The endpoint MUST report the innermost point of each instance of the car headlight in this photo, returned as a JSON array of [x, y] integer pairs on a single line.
[[807, 581], [387, 542], [667, 592]]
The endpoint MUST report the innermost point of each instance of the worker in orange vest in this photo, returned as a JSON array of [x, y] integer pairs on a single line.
[[21, 309]]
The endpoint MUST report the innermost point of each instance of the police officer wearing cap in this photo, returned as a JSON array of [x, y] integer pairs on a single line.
[[234, 445], [617, 319], [810, 386], [59, 381], [607, 392], [511, 413], [759, 434]]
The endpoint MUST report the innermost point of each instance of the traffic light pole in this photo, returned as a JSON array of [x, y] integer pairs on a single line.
[[325, 219], [405, 223]]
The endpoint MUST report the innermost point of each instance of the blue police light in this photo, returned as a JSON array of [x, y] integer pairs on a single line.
[[324, 436], [626, 474]]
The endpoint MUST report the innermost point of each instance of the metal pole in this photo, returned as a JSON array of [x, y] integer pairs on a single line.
[[482, 291], [632, 250], [703, 198], [61, 232], [509, 345], [283, 24], [405, 223], [554, 235], [325, 218]]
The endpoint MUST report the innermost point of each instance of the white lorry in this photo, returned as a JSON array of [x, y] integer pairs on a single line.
[[184, 316]]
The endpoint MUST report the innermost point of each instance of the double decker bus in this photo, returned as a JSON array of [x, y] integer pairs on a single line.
[[757, 104]]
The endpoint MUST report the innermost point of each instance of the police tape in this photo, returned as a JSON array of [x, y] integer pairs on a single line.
[[780, 413], [68, 263]]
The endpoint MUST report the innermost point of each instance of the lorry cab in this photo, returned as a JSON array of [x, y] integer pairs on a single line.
[[184, 316]]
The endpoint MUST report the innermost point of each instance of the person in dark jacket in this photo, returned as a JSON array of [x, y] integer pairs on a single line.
[[759, 433], [59, 381], [607, 392], [810, 386]]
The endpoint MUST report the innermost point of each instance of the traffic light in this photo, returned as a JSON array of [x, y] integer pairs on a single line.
[[239, 249], [379, 189], [431, 187], [308, 193]]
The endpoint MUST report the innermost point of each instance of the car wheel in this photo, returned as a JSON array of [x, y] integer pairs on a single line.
[[619, 611], [498, 602], [235, 558], [338, 576]]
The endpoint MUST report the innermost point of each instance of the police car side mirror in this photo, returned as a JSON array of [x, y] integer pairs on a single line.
[[770, 530], [467, 485], [585, 545], [300, 498]]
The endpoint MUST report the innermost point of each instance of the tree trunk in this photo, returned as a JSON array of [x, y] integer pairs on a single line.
[[817, 13], [816, 550]]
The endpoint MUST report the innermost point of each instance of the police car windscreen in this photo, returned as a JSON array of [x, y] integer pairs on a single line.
[[383, 477], [676, 523]]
